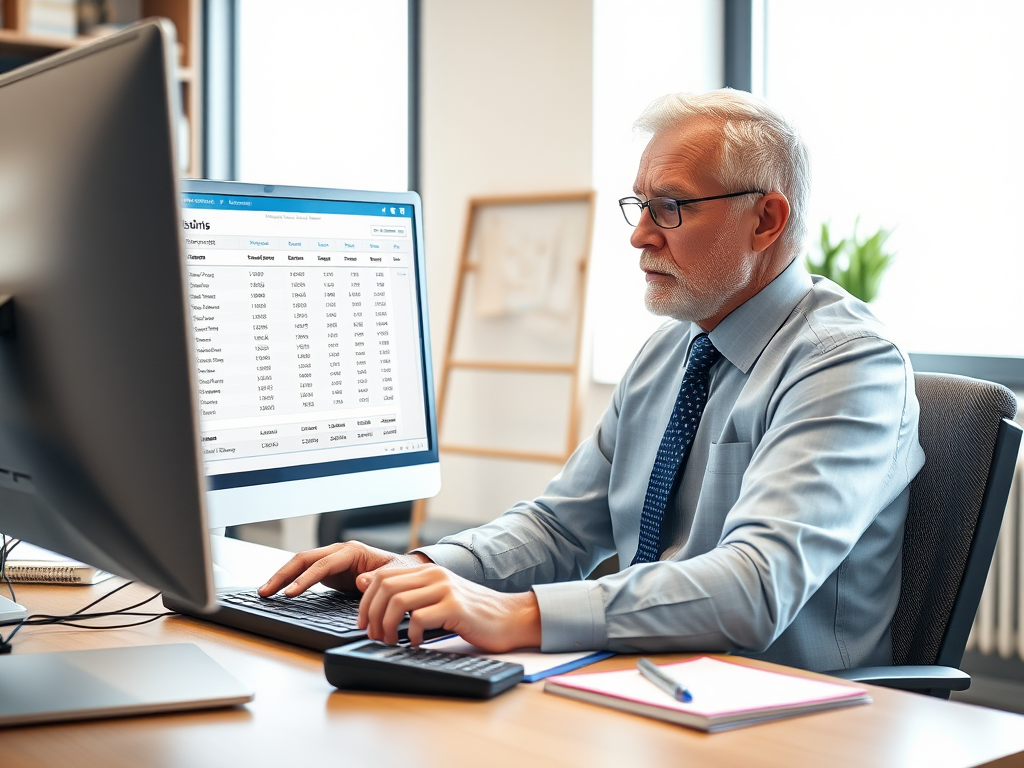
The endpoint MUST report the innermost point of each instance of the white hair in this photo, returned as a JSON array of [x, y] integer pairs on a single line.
[[759, 150]]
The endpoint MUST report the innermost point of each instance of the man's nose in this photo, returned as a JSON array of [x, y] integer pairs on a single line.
[[647, 234]]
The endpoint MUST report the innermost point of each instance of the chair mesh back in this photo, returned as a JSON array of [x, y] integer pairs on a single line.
[[960, 418]]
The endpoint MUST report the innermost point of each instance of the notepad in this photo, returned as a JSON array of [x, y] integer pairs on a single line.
[[536, 665], [725, 695], [28, 563]]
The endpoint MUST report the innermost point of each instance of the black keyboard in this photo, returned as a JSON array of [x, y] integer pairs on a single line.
[[317, 620], [332, 611]]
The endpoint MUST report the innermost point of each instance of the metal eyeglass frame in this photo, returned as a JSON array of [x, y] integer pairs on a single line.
[[641, 204]]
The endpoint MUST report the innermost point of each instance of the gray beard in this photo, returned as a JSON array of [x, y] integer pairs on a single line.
[[685, 305], [703, 296], [690, 303]]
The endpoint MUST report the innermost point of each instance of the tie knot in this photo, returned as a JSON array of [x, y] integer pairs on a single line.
[[702, 355]]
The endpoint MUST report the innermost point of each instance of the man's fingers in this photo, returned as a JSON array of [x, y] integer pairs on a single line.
[[370, 581], [385, 584], [315, 573], [394, 567], [402, 603], [337, 562], [299, 563], [428, 617], [307, 568], [285, 575]]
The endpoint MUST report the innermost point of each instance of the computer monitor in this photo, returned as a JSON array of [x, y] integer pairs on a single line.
[[312, 348], [99, 432]]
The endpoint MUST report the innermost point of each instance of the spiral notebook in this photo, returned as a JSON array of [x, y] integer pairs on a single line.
[[28, 563]]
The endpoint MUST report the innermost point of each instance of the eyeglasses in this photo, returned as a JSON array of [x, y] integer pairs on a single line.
[[665, 210]]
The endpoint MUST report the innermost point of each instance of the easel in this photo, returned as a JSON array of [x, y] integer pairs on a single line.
[[467, 265]]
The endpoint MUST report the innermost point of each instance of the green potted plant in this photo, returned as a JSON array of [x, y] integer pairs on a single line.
[[855, 264]]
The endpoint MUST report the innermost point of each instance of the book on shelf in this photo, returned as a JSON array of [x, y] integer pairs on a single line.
[[725, 695], [29, 564]]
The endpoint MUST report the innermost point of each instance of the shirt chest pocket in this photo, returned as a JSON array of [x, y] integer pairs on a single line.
[[724, 475]]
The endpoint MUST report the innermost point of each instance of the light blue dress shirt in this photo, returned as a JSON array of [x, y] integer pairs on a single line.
[[784, 540]]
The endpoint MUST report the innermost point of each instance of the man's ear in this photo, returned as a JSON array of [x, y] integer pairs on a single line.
[[772, 214]]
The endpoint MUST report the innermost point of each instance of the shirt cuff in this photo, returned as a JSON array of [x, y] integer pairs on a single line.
[[571, 616], [455, 558]]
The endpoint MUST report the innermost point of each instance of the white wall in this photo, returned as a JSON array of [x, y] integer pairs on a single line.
[[506, 108]]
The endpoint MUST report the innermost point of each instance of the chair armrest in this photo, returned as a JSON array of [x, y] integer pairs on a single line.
[[908, 678]]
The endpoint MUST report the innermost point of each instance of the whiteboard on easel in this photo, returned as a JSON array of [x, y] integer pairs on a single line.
[[524, 295]]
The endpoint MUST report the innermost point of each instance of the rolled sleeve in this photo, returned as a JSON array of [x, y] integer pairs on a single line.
[[571, 615]]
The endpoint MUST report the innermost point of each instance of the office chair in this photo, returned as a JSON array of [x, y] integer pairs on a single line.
[[956, 508]]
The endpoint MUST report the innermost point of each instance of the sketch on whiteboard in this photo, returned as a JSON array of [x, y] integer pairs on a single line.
[[528, 258]]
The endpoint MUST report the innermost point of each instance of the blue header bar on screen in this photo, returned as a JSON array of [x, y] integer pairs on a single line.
[[293, 204]]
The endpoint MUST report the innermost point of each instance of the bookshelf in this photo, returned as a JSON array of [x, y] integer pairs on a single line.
[[17, 44]]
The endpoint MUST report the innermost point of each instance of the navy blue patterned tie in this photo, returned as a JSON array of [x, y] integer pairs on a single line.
[[675, 446]]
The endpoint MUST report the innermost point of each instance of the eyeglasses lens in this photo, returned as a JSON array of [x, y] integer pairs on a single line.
[[665, 212], [632, 210]]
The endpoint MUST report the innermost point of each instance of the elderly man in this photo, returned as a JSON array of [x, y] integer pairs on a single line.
[[751, 472]]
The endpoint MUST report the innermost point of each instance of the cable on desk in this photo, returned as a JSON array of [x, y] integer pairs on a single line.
[[101, 598], [65, 623], [80, 613], [72, 619], [5, 550]]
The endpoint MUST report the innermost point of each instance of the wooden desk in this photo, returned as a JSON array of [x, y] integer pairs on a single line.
[[297, 719]]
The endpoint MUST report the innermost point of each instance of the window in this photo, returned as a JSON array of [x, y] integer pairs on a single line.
[[912, 115], [323, 93]]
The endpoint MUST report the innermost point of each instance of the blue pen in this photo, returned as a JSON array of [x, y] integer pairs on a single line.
[[667, 683]]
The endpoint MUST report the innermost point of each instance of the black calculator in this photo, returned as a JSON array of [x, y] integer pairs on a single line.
[[371, 666]]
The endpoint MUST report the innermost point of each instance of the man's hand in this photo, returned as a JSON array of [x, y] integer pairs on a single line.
[[435, 597], [337, 566]]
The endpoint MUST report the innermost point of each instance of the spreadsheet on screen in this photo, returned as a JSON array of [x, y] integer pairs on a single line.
[[306, 328]]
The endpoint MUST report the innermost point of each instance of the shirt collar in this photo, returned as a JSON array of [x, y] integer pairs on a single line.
[[744, 333]]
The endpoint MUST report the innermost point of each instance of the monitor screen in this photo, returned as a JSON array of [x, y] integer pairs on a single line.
[[312, 351]]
